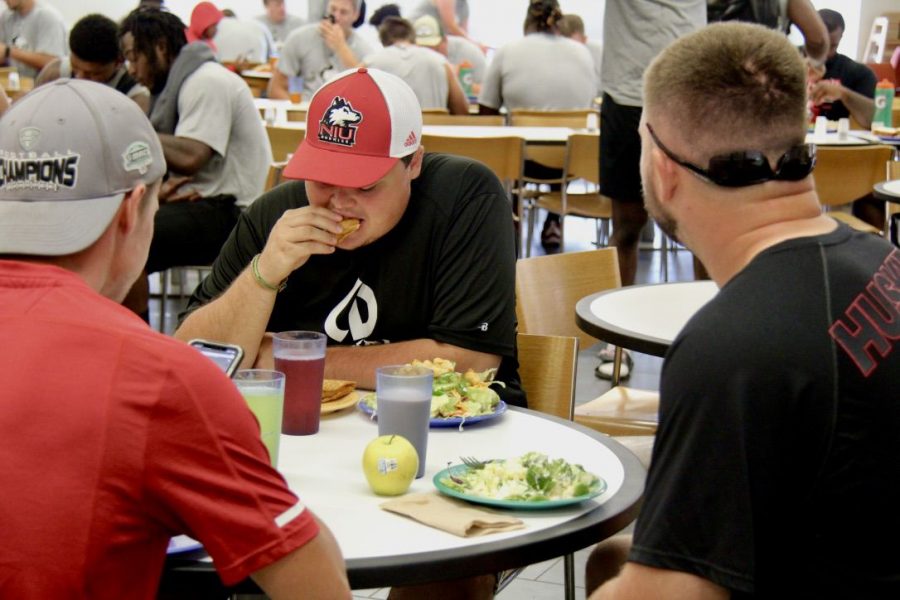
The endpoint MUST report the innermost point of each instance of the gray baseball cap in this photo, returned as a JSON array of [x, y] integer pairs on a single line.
[[69, 151]]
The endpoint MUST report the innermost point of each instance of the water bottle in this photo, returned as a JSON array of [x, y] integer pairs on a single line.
[[13, 83], [884, 104]]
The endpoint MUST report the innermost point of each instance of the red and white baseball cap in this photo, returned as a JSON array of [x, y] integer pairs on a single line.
[[357, 127]]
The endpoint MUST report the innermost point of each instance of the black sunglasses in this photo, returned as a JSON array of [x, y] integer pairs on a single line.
[[748, 167]]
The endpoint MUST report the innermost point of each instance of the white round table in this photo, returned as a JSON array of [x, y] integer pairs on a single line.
[[644, 318], [383, 549]]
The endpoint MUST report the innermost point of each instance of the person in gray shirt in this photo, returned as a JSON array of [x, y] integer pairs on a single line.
[[456, 49], [318, 51], [543, 70], [428, 74], [572, 27], [279, 23], [31, 35]]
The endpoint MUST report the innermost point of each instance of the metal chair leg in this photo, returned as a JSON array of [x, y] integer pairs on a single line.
[[569, 574]]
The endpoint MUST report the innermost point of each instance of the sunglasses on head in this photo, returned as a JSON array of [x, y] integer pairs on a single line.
[[748, 167]]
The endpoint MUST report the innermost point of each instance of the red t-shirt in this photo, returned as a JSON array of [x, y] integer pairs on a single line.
[[115, 438]]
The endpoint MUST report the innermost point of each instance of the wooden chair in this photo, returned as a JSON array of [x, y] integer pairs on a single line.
[[284, 141], [547, 365], [550, 156], [846, 173], [547, 288], [274, 175], [891, 208], [582, 162], [296, 115], [448, 119]]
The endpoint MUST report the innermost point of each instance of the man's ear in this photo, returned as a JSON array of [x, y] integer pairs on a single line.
[[666, 175], [129, 211], [415, 166]]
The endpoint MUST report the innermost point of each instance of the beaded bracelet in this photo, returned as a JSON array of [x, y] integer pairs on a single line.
[[254, 264]]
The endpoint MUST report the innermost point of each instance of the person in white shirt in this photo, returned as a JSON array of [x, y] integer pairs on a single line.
[[572, 27], [31, 35], [318, 51], [278, 21], [429, 75]]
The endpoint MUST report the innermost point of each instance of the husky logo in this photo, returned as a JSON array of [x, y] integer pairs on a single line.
[[360, 318], [339, 123]]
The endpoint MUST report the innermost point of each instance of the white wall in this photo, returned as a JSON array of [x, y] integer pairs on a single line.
[[493, 22]]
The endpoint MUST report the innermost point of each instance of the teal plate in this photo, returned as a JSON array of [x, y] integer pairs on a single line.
[[513, 504]]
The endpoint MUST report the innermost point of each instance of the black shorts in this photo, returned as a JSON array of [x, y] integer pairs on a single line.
[[620, 151]]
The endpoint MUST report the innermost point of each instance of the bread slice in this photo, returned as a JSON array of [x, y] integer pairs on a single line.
[[348, 226]]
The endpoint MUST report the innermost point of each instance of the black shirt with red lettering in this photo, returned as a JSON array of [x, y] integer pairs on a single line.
[[776, 468]]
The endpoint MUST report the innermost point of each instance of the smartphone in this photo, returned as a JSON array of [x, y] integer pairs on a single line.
[[227, 356], [330, 18]]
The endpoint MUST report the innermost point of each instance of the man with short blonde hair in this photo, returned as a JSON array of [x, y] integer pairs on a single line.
[[778, 413]]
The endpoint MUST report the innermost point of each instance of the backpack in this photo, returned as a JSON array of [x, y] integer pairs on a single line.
[[764, 12]]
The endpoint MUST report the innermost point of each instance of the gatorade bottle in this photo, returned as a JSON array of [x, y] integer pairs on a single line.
[[465, 77], [884, 104]]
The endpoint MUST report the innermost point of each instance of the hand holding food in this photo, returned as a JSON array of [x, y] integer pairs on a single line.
[[298, 234]]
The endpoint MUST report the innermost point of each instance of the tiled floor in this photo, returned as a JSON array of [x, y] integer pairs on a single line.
[[544, 581]]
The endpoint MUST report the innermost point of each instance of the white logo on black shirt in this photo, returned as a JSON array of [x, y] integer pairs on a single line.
[[359, 329]]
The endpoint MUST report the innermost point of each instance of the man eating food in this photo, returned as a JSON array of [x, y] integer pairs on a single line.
[[394, 254]]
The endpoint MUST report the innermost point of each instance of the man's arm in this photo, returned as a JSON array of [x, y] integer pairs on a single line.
[[815, 36], [358, 363], [37, 60], [337, 42], [184, 155], [457, 103], [447, 12], [861, 108], [278, 86], [240, 315], [640, 582], [315, 570]]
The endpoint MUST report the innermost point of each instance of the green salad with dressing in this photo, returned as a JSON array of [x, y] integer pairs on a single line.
[[533, 477]]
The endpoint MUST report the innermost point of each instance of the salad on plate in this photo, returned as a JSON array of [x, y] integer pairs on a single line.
[[532, 477]]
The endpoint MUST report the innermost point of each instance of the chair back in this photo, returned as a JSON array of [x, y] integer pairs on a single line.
[[296, 115], [550, 156], [448, 119], [273, 177], [575, 119], [547, 365], [503, 154], [435, 110], [583, 157], [548, 287], [284, 141], [846, 173]]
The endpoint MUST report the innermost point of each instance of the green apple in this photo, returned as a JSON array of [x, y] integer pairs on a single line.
[[390, 463]]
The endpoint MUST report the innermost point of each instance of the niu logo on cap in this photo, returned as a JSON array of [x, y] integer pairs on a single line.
[[339, 123]]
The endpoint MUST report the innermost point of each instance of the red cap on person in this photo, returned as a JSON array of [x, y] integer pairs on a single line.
[[357, 127], [204, 16]]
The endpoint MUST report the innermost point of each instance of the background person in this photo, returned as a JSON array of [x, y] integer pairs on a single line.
[[31, 35], [152, 439], [279, 22], [543, 71], [778, 424], [215, 146], [243, 42], [94, 54], [457, 50], [572, 27], [319, 51], [430, 76], [844, 87]]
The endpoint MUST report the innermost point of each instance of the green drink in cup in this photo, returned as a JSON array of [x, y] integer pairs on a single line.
[[264, 392]]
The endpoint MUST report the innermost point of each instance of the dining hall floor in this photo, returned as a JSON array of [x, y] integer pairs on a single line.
[[544, 580]]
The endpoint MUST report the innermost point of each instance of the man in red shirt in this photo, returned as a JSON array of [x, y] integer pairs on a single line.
[[116, 438]]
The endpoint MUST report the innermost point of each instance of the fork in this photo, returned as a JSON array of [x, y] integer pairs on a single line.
[[472, 462]]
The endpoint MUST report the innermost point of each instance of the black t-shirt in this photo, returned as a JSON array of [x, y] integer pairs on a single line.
[[776, 468], [445, 272], [853, 76]]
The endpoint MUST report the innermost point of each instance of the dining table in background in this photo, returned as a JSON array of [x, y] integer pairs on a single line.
[[383, 549], [643, 318]]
